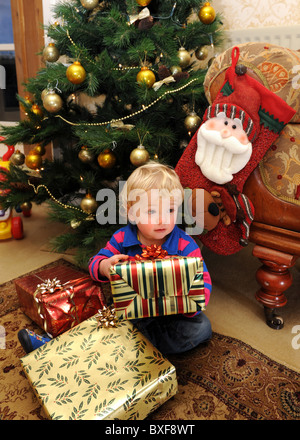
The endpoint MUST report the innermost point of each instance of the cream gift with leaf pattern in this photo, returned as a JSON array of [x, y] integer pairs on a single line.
[[99, 373]]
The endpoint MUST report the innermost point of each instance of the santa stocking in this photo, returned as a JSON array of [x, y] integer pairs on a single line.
[[237, 130]]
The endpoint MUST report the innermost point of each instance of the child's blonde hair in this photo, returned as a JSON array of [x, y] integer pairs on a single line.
[[152, 175]]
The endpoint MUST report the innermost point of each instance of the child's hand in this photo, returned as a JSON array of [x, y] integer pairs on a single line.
[[105, 264]]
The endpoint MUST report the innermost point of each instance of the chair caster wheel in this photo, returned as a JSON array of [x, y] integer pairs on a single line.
[[274, 321]]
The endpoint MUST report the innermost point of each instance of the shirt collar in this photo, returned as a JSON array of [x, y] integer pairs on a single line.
[[130, 236], [170, 245]]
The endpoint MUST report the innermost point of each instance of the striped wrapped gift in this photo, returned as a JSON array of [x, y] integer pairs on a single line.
[[158, 287]]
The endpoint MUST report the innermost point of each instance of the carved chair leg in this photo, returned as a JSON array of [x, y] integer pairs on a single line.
[[275, 278]]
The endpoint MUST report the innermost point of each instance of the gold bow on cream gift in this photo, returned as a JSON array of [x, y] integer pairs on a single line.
[[107, 317]]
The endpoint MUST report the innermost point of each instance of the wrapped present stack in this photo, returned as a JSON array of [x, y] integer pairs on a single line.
[[95, 372], [152, 286], [59, 298]]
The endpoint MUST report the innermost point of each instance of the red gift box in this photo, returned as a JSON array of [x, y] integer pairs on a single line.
[[59, 298]]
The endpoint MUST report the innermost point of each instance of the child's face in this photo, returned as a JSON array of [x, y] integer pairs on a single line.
[[155, 217]]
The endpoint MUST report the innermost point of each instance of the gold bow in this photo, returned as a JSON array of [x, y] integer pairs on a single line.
[[107, 317], [48, 286], [119, 125], [143, 14], [157, 85]]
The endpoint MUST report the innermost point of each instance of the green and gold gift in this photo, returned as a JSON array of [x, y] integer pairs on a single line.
[[92, 372]]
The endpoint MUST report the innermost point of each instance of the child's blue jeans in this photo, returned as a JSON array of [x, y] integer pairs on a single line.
[[175, 333]]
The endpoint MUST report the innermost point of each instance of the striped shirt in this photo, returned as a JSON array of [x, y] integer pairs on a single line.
[[125, 241]]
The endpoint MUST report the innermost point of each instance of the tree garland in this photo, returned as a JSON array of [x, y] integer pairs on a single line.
[[145, 107]]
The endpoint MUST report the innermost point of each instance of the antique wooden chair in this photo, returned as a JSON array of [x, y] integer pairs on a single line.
[[274, 186]]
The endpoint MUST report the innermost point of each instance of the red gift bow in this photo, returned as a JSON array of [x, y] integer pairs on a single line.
[[152, 252]]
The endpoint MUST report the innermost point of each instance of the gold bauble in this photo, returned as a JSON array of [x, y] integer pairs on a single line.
[[175, 69], [17, 158], [76, 73], [51, 53], [201, 53], [44, 93], [26, 206], [40, 149], [52, 102], [89, 204], [86, 155], [107, 159], [184, 57], [207, 13], [143, 2], [37, 110], [146, 76], [192, 122], [89, 4], [33, 160], [139, 156]]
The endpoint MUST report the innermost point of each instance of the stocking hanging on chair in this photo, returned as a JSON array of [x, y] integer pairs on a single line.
[[237, 130]]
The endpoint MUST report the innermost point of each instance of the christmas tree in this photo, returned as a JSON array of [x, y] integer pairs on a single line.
[[122, 83]]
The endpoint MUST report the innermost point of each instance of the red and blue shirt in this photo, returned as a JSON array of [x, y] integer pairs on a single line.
[[125, 241]]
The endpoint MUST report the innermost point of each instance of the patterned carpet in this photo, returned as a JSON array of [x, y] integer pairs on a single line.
[[225, 379]]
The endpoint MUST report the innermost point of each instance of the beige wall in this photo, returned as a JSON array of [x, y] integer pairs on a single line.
[[239, 14], [243, 14]]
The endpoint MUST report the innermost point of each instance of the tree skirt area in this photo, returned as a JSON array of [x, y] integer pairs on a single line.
[[224, 379]]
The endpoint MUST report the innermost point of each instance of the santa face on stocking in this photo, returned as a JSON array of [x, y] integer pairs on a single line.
[[223, 148], [238, 128]]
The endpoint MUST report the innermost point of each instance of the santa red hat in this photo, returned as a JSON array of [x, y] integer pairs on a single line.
[[250, 124]]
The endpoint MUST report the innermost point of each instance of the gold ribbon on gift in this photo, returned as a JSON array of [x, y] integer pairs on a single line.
[[143, 14], [51, 286], [107, 317]]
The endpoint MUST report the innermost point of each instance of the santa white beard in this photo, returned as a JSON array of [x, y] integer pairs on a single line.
[[219, 158]]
